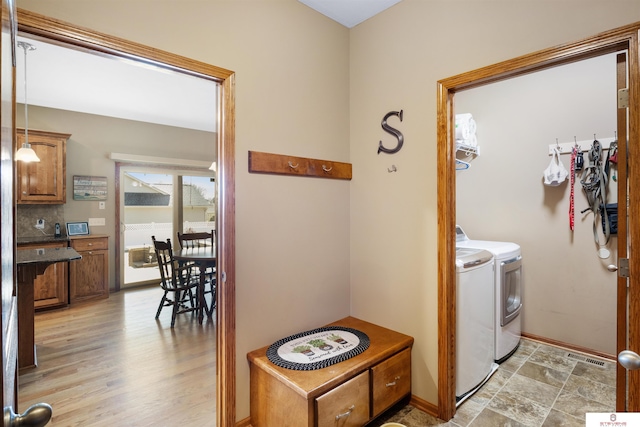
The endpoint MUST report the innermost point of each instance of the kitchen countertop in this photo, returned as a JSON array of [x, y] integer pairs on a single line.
[[40, 239], [46, 255]]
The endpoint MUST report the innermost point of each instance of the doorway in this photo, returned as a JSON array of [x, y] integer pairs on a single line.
[[82, 38], [616, 40], [568, 290], [159, 202]]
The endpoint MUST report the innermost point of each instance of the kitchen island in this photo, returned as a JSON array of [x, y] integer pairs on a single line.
[[31, 263]]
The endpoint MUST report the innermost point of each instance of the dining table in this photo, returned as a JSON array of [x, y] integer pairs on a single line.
[[203, 257]]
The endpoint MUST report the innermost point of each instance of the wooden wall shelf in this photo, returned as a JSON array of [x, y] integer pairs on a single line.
[[280, 164]]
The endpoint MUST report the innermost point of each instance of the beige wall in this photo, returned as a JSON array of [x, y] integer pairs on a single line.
[[310, 251], [569, 295], [292, 97], [396, 59]]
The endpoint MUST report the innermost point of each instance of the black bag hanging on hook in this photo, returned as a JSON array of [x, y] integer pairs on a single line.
[[611, 210]]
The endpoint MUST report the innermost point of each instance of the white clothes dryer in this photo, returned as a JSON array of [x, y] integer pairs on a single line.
[[508, 291]]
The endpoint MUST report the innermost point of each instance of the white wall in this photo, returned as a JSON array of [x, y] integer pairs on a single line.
[[569, 295]]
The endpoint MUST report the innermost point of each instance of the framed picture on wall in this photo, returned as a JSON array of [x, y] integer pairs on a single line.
[[77, 228], [89, 187]]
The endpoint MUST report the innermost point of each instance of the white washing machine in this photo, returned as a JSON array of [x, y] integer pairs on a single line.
[[508, 291], [474, 321]]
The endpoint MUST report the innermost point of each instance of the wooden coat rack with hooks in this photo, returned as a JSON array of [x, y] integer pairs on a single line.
[[280, 164]]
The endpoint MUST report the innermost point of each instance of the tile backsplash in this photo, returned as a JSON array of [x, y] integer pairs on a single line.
[[28, 215]]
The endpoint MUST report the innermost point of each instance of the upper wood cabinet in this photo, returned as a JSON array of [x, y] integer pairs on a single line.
[[43, 182]]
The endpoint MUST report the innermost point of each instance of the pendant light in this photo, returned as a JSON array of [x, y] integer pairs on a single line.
[[26, 153]]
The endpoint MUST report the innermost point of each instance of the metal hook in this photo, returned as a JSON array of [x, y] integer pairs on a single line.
[[292, 166], [324, 168], [392, 169], [558, 146]]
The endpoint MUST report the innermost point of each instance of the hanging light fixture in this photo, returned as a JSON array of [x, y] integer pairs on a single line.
[[26, 153]]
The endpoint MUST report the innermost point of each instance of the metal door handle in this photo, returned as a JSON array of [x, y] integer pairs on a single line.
[[612, 267], [629, 359], [36, 415]]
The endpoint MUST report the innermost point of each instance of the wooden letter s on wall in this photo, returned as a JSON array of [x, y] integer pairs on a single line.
[[392, 131]]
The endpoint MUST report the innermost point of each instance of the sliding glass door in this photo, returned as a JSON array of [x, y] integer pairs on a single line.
[[160, 202]]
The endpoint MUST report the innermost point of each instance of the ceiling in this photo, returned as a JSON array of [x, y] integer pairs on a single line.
[[349, 12], [74, 80]]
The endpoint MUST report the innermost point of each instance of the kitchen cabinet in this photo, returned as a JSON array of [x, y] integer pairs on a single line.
[[349, 393], [50, 289], [89, 277], [43, 182]]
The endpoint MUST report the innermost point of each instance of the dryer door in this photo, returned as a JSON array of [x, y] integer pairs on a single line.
[[510, 289]]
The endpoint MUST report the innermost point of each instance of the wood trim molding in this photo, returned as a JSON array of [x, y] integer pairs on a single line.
[[610, 41], [563, 344], [66, 33], [424, 406]]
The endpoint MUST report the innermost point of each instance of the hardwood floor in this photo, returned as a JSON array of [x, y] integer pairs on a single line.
[[109, 363]]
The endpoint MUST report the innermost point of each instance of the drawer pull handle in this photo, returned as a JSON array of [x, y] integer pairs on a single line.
[[394, 382], [346, 414]]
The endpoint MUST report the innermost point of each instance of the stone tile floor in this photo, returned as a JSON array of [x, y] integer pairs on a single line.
[[539, 386]]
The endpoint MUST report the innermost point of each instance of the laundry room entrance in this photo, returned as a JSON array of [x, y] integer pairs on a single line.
[[498, 191], [568, 294]]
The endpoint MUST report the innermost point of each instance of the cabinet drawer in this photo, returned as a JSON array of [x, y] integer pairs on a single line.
[[89, 244], [346, 405], [391, 380]]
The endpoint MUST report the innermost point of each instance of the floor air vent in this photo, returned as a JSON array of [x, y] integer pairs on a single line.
[[585, 359]]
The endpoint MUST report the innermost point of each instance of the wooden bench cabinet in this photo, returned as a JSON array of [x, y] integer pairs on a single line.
[[349, 394], [89, 277]]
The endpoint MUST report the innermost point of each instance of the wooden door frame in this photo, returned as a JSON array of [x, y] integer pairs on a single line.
[[607, 42], [83, 38]]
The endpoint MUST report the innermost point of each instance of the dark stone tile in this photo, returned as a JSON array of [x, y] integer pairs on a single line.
[[514, 363], [543, 374], [559, 419], [466, 412], [393, 414], [519, 408], [592, 390], [489, 418], [605, 375], [491, 387], [417, 418], [577, 405], [552, 357], [527, 347], [536, 391]]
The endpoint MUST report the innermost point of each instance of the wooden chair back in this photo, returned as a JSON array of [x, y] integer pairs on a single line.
[[196, 240], [169, 272]]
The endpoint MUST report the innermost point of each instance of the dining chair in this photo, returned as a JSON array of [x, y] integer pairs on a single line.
[[198, 240], [177, 282]]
